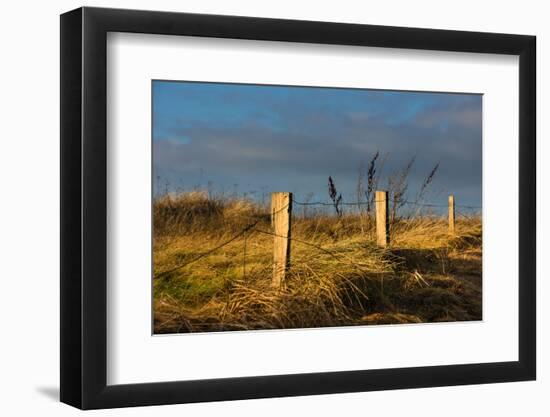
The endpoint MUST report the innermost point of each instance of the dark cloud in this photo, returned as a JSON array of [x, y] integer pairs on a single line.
[[287, 143]]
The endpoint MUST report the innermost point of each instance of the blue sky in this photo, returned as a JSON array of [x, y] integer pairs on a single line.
[[255, 139]]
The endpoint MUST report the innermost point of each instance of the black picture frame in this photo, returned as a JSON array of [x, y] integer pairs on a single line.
[[84, 207]]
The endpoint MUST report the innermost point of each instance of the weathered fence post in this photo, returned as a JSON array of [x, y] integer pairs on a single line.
[[451, 214], [382, 219], [281, 210]]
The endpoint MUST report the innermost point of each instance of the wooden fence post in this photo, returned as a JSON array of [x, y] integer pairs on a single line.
[[382, 219], [281, 210], [451, 214]]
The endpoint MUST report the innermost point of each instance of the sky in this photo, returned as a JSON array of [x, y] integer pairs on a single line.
[[251, 140]]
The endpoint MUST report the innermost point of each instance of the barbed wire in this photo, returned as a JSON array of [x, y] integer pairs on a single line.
[[263, 215], [322, 203], [210, 251], [316, 246], [225, 243], [252, 228], [441, 205], [466, 216]]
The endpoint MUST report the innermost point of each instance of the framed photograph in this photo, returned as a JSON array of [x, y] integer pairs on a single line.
[[257, 208]]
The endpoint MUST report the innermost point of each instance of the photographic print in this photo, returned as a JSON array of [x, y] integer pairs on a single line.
[[292, 207]]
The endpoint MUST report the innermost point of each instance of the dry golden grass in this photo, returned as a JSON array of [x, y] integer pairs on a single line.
[[338, 276]]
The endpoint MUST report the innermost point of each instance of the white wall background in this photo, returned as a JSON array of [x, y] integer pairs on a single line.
[[29, 209]]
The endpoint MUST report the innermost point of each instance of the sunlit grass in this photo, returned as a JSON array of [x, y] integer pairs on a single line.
[[337, 277]]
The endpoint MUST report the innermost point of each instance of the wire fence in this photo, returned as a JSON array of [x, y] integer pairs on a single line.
[[369, 204], [251, 228]]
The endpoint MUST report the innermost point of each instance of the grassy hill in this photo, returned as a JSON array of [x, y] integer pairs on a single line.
[[213, 266]]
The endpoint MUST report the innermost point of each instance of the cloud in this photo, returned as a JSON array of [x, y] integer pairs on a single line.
[[295, 139]]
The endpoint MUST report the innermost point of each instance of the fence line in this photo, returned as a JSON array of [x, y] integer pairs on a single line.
[[322, 203], [258, 218], [314, 245]]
